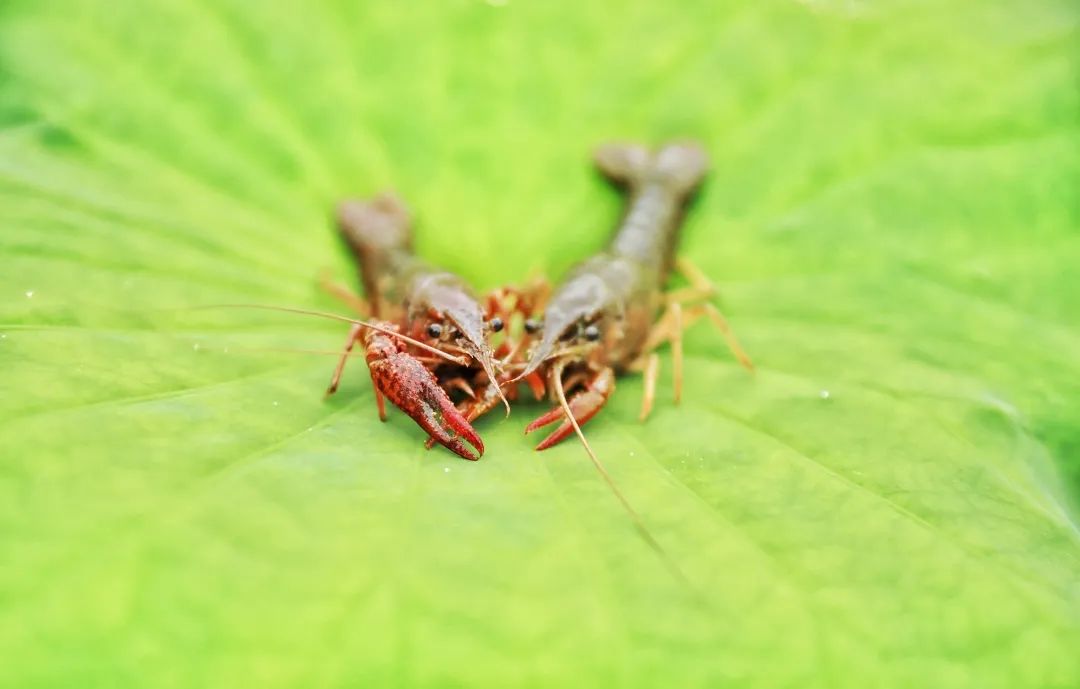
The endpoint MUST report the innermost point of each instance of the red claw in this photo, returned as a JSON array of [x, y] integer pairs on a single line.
[[583, 406], [414, 390]]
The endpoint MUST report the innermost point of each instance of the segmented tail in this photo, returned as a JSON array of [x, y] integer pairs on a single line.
[[382, 224], [680, 166], [379, 234]]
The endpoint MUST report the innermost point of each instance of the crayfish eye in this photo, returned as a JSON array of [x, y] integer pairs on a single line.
[[434, 330], [532, 326], [591, 333], [496, 324]]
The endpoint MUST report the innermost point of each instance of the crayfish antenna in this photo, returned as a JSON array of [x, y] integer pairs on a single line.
[[291, 350], [642, 530], [344, 319], [489, 368]]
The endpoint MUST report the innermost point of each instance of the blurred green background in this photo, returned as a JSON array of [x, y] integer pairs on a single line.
[[891, 220]]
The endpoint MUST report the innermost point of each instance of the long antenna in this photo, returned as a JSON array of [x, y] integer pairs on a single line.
[[293, 350], [343, 319], [634, 516]]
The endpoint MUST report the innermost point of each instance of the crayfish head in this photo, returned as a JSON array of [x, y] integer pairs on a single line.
[[581, 322], [581, 340], [452, 318]]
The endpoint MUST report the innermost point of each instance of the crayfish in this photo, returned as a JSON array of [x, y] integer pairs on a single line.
[[416, 307], [430, 335]]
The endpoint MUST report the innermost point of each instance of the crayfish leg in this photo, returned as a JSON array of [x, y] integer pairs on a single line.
[[343, 294], [652, 372], [703, 290], [380, 401], [354, 335], [679, 315]]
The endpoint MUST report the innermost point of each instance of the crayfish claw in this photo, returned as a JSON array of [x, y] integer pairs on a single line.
[[549, 417], [584, 405], [414, 390], [446, 425]]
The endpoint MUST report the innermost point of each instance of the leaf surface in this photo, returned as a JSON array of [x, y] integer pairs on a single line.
[[891, 221]]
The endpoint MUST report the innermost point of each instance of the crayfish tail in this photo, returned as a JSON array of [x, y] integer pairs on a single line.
[[681, 166]]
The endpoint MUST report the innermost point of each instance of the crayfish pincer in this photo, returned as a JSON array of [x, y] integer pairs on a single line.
[[403, 379]]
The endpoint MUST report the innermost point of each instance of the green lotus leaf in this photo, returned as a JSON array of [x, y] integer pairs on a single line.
[[891, 222]]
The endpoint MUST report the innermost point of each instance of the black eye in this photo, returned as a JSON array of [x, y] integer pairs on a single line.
[[532, 326], [496, 324], [591, 333], [434, 330]]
